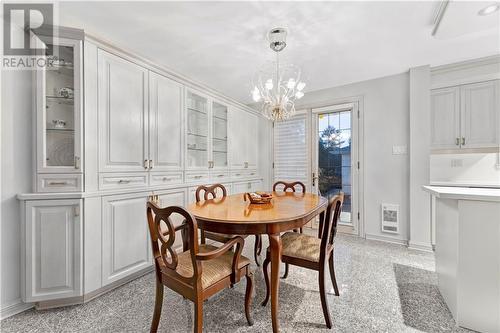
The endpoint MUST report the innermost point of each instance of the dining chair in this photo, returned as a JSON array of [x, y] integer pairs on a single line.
[[210, 192], [312, 252], [289, 186], [197, 273]]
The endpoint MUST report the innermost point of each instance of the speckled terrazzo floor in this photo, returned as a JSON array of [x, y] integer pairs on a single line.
[[383, 288]]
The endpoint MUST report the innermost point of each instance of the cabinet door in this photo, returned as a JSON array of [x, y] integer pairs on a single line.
[[53, 244], [252, 140], [237, 137], [59, 108], [165, 123], [219, 147], [126, 246], [174, 198], [197, 131], [256, 185], [242, 187], [445, 118], [122, 108], [480, 114]]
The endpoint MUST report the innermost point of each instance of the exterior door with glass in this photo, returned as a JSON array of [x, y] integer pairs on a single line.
[[335, 158]]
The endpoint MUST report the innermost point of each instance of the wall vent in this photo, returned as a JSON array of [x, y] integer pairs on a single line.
[[390, 218]]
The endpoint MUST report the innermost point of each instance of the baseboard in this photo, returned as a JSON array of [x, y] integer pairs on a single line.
[[386, 239], [16, 307], [419, 246]]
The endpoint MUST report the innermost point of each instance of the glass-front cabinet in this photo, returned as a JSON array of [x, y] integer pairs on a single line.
[[58, 110], [219, 135], [206, 127]]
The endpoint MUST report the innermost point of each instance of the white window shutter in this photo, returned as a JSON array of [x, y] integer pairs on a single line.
[[291, 153]]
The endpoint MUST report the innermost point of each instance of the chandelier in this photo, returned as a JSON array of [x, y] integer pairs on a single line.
[[277, 87]]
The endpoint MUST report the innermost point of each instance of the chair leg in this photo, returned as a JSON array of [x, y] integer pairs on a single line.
[[198, 316], [258, 240], [248, 298], [158, 306], [265, 267], [332, 275], [286, 271], [322, 293]]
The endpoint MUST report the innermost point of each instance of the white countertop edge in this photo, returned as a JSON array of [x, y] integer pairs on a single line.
[[464, 193]]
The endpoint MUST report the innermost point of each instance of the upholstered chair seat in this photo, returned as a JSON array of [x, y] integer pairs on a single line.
[[213, 270]]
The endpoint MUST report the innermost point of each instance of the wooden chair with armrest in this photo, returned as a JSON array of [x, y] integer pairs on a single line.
[[312, 252], [210, 192], [197, 273]]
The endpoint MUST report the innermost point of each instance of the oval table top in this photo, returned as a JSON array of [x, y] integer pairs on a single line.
[[286, 211]]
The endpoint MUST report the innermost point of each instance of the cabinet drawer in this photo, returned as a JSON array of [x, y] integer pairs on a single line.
[[219, 176], [165, 178], [59, 183], [244, 174], [197, 177], [122, 180]]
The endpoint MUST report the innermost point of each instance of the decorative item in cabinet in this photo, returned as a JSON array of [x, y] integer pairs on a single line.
[[58, 109]]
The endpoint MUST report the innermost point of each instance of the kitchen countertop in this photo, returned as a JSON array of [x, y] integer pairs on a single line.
[[464, 193]]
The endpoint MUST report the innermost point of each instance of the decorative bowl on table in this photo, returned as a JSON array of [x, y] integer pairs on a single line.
[[258, 197]]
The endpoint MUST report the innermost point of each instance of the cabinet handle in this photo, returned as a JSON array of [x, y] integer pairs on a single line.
[[220, 176], [246, 164], [77, 162], [249, 185], [123, 181], [151, 165], [57, 183], [198, 177], [238, 174], [457, 141], [166, 179], [463, 141], [146, 164], [76, 211]]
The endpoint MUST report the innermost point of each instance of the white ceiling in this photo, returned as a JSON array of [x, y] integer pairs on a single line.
[[222, 44]]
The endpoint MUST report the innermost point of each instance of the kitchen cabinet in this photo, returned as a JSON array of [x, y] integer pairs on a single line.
[[445, 117], [466, 116], [480, 114], [126, 247], [248, 186], [52, 246], [123, 112]]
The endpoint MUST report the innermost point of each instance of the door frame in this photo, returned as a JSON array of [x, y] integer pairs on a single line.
[[308, 109]]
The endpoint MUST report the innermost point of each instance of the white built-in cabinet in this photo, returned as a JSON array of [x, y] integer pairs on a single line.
[[52, 249], [466, 116], [134, 132], [243, 139], [125, 237], [123, 114]]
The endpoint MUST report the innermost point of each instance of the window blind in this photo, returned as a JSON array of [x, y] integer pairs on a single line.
[[291, 153]]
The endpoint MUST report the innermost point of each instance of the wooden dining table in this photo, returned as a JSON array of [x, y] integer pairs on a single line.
[[286, 211]]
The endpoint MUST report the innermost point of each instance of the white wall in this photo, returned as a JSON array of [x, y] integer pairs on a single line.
[[385, 112], [16, 165]]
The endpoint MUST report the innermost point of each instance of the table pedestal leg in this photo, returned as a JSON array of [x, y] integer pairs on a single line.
[[275, 245]]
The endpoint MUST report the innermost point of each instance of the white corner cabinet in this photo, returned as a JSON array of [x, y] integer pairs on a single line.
[[111, 129], [466, 116]]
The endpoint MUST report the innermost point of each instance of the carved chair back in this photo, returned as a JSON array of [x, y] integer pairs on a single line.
[[204, 192], [163, 234], [289, 186], [332, 217]]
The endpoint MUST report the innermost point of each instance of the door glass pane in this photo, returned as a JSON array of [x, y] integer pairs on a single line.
[[60, 107], [334, 158], [197, 130], [219, 135]]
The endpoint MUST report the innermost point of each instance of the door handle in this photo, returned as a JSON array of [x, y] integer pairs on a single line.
[[314, 179]]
